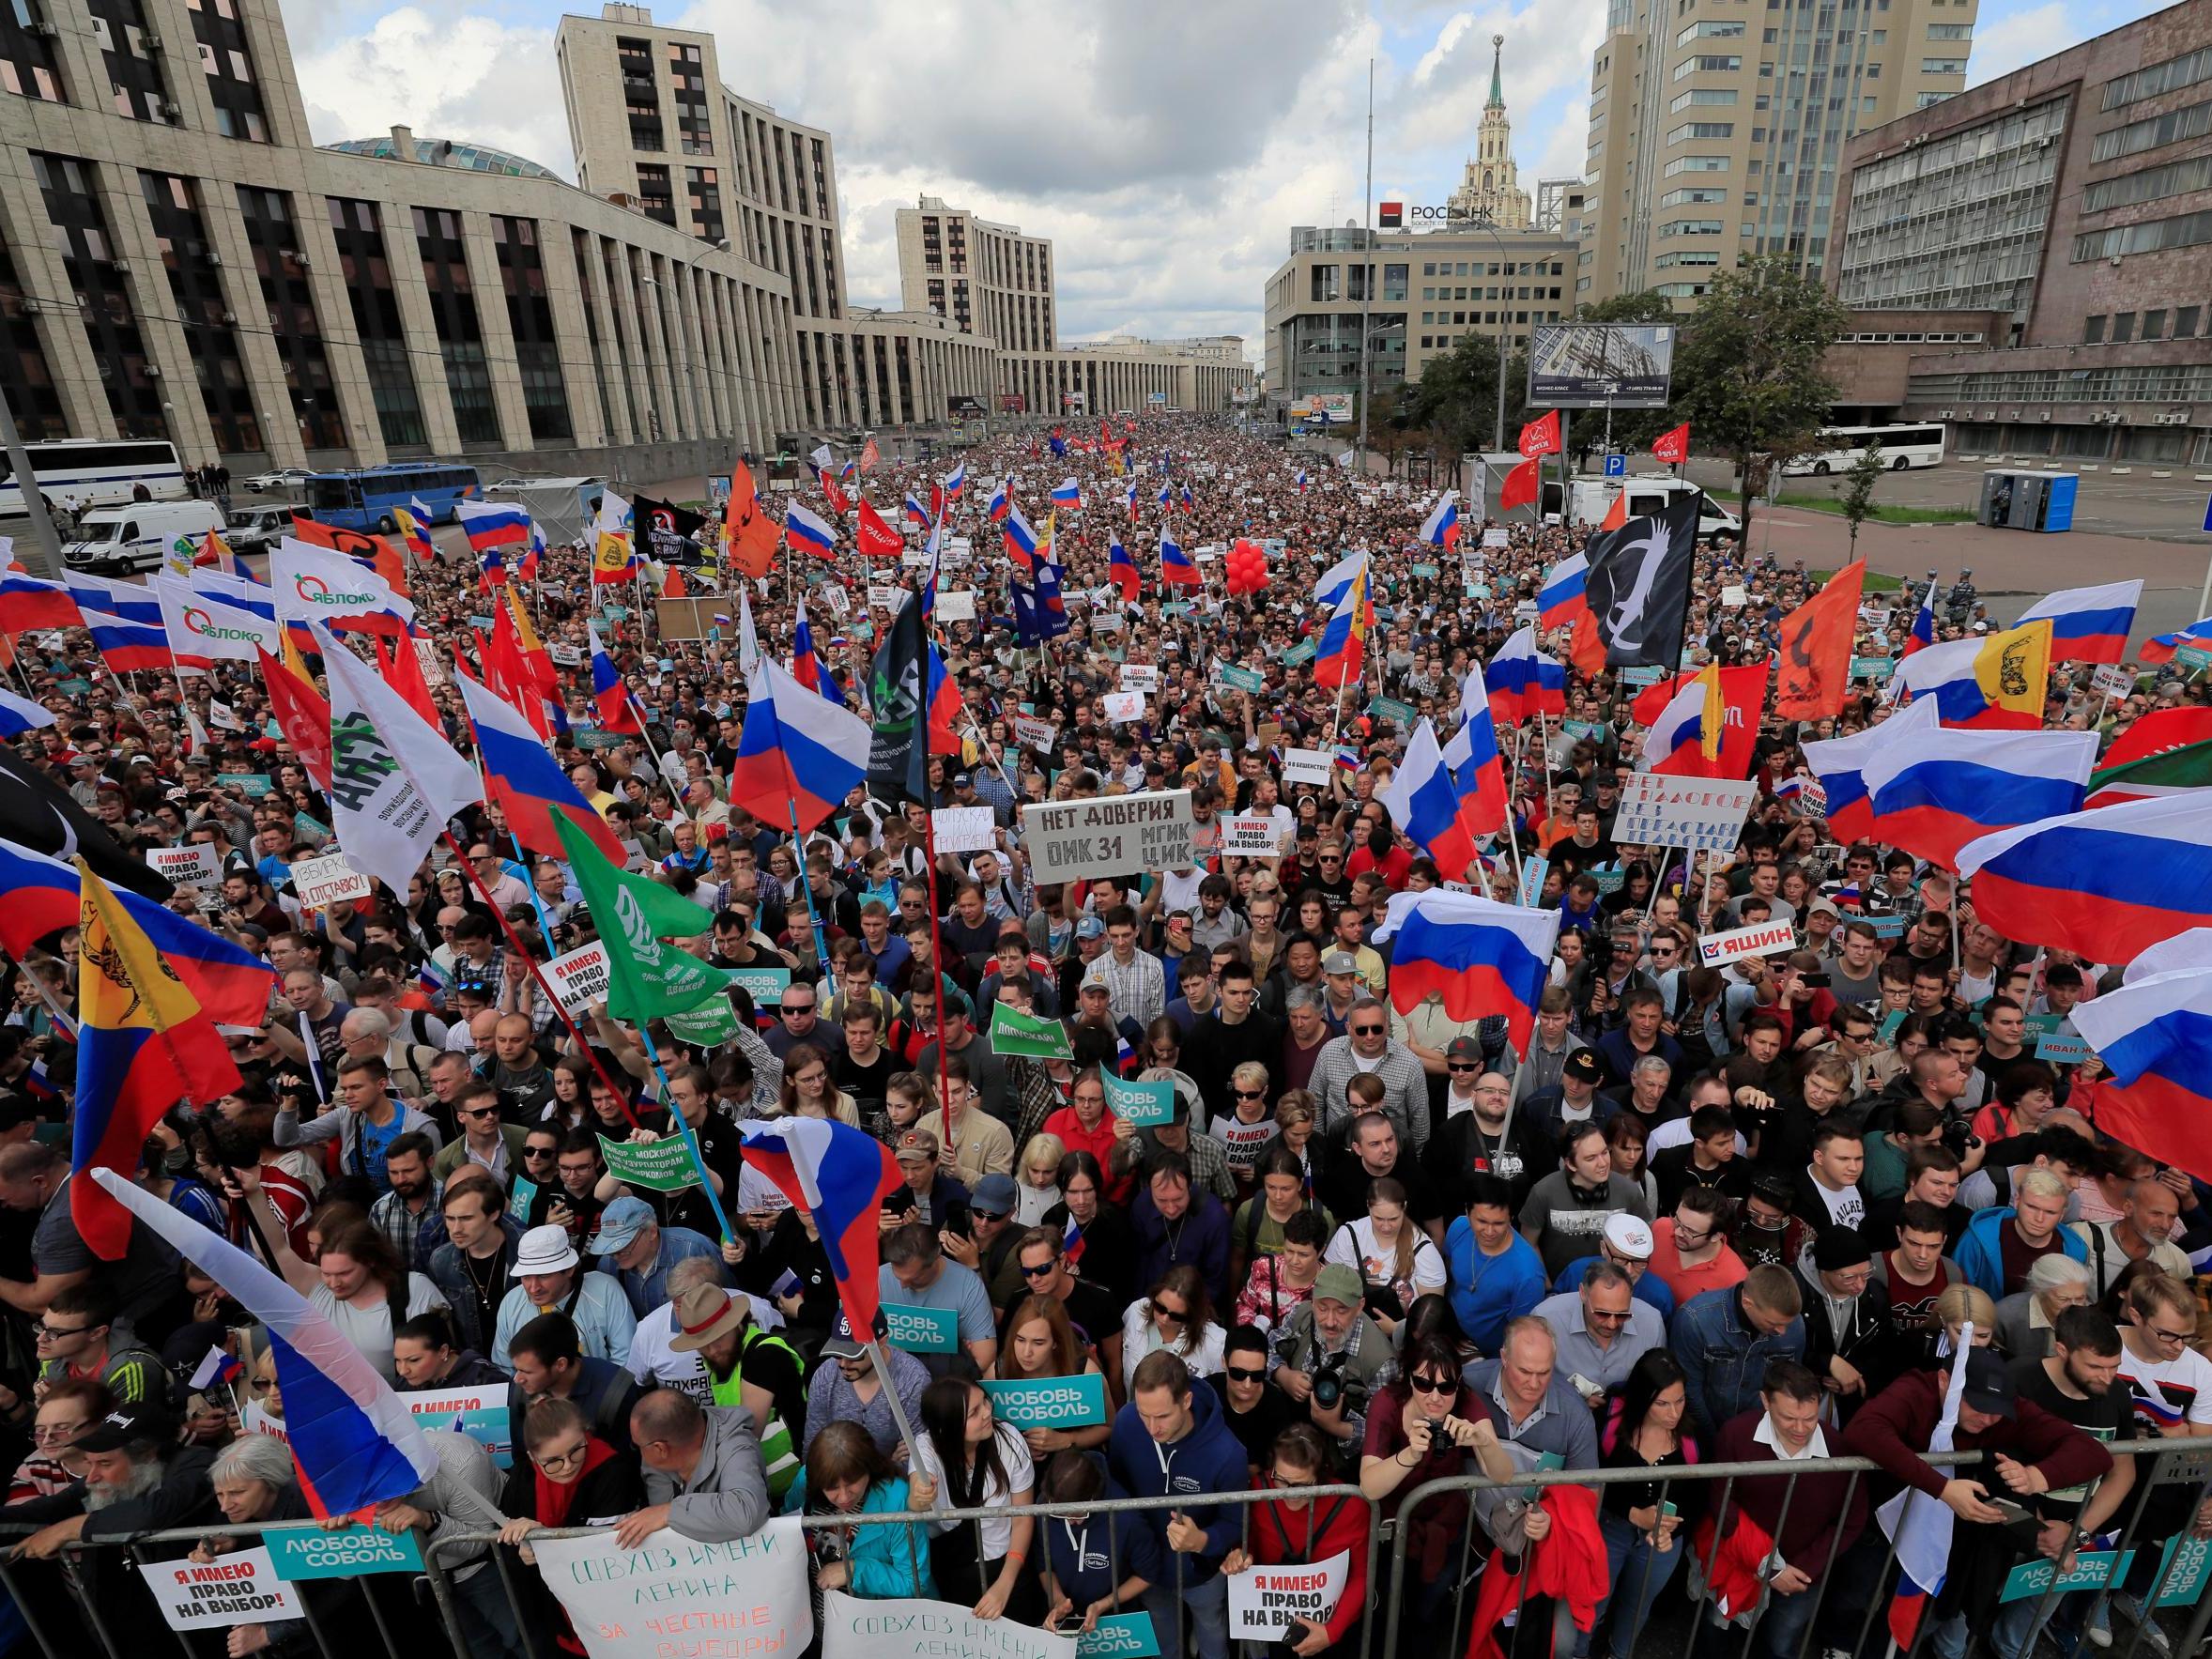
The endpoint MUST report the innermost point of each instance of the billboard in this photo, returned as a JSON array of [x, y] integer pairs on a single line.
[[1597, 365], [1333, 407]]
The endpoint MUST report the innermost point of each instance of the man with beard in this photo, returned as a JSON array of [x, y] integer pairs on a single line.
[[137, 1479], [747, 1367]]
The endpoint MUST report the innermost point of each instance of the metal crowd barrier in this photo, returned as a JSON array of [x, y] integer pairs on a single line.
[[395, 1602]]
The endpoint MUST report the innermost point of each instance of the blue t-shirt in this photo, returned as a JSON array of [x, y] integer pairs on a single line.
[[372, 1142]]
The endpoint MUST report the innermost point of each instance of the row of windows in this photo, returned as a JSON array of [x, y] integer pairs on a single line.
[[1707, 65], [2148, 185], [2175, 73], [1703, 95], [2187, 230], [1697, 164], [2124, 325], [2189, 121], [1911, 339]]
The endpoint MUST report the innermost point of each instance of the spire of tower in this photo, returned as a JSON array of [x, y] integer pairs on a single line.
[[1496, 88]]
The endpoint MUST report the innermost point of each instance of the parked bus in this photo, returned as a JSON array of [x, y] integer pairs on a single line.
[[94, 472], [1842, 446], [364, 499]]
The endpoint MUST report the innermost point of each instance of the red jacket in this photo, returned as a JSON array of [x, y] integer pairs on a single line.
[[1284, 1536], [1895, 1426], [1568, 1566]]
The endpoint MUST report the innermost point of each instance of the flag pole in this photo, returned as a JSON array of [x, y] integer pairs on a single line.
[[822, 961], [941, 980], [706, 1182]]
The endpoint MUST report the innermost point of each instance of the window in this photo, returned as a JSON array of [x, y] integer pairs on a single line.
[[1692, 227], [1702, 130], [1706, 66], [1943, 66], [2148, 184], [1675, 198], [2189, 121], [1709, 31], [2176, 72], [2187, 231], [2123, 326], [1950, 31], [2154, 325], [1703, 95], [2185, 322]]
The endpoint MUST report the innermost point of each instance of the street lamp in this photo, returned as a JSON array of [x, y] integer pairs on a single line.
[[1485, 224]]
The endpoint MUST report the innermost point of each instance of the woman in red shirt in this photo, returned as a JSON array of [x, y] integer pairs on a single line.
[[1296, 1529]]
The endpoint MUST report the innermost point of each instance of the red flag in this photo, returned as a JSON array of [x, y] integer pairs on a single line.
[[402, 672], [876, 539], [1585, 648], [1673, 446], [302, 714], [1519, 489], [1541, 437], [509, 676], [673, 587], [1616, 515], [868, 455], [2156, 732], [1656, 697], [1743, 691], [1813, 661], [936, 503], [749, 536], [374, 551], [832, 495]]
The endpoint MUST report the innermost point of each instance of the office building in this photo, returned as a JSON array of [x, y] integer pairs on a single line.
[[1717, 131], [991, 279], [2036, 254], [1430, 288]]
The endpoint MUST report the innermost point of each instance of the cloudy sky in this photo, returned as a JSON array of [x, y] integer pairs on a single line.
[[1167, 156]]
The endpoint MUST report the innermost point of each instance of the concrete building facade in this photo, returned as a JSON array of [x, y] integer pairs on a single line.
[[2047, 239], [1431, 290], [1717, 129]]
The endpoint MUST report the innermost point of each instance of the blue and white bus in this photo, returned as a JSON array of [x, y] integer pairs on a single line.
[[83, 472], [364, 499]]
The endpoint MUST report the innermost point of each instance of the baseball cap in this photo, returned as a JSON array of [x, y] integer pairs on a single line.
[[1629, 1235], [842, 1344], [544, 1249], [1337, 1282], [1988, 1385], [917, 1144], [1340, 962], [1090, 928], [620, 1223], [1464, 1048], [960, 780], [127, 1425], [995, 1194], [1582, 1066]]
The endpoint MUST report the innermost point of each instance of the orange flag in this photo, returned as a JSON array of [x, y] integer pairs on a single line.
[[1616, 515], [1813, 660], [673, 587], [748, 535]]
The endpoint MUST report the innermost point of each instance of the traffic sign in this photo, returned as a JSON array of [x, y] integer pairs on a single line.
[[1616, 467], [2208, 515]]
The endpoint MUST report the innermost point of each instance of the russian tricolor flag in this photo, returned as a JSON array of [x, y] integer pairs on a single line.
[[1021, 540], [1564, 594], [807, 668], [1128, 496], [1478, 768], [1441, 527], [127, 600], [839, 1175], [1175, 569], [1482, 957], [1423, 803], [1523, 683], [1121, 570], [2154, 1034], [999, 502], [493, 524], [1339, 578], [956, 481], [1341, 650], [26, 602], [1838, 762], [1071, 1241], [2106, 882], [608, 694], [2089, 624], [916, 512], [1933, 789], [2162, 647], [944, 704], [799, 754], [128, 646], [1067, 493], [529, 784], [808, 530]]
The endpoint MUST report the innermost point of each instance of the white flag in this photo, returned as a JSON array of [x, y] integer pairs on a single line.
[[614, 514], [204, 629], [394, 780]]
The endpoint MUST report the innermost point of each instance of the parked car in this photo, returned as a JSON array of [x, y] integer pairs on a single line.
[[124, 541], [283, 478], [255, 529]]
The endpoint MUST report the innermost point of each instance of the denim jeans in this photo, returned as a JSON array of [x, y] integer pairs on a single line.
[[1202, 1609], [2012, 1632], [486, 1617], [1637, 1574]]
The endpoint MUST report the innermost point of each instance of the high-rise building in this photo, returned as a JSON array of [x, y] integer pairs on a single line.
[[1717, 132], [1491, 187], [991, 279]]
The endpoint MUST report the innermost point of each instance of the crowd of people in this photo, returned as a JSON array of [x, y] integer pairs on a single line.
[[1751, 1214]]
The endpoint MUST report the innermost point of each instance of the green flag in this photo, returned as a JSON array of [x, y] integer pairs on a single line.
[[1012, 1031], [658, 1166], [2164, 773], [646, 978]]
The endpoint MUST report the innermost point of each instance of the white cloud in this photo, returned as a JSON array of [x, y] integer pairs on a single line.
[[2003, 45]]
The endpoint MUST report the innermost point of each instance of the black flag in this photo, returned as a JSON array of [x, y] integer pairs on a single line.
[[36, 814], [1640, 584], [898, 759], [667, 533]]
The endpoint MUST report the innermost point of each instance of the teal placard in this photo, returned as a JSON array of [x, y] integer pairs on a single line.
[[1049, 1401], [1390, 708], [1643, 674], [307, 829], [921, 1331], [521, 1198], [1886, 925], [481, 622], [2194, 656], [1478, 590], [589, 737], [2056, 1045], [253, 783], [1301, 651], [2183, 1569], [1242, 679], [2091, 1571], [301, 1553], [1579, 728], [1890, 1022], [615, 613], [1120, 1636], [1873, 667], [1143, 1105], [1425, 570], [1609, 881], [74, 687], [1175, 607], [762, 985]]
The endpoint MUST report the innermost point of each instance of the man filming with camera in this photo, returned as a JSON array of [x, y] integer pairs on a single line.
[[1328, 1357]]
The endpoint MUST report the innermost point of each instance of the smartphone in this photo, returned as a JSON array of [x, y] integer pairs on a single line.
[[1667, 1511], [788, 1283]]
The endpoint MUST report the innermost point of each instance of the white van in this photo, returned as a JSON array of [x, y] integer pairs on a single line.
[[123, 541], [1594, 495]]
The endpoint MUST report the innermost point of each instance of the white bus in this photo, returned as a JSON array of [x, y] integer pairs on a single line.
[[95, 472], [1841, 446]]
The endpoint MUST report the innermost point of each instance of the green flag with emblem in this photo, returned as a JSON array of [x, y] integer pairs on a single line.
[[647, 977]]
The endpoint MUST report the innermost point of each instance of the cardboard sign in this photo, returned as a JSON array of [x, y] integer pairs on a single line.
[[238, 1589], [1049, 1401], [1264, 1600], [1114, 836], [1302, 652], [1140, 676], [187, 867], [1716, 949], [1306, 765], [956, 605], [1873, 667], [1250, 837], [658, 1166], [579, 978], [481, 1413], [1732, 598], [1496, 537], [1143, 1105], [1238, 679], [884, 596], [837, 599], [1703, 814], [1400, 714], [963, 829], [2056, 1044], [2091, 1571], [853, 1628], [921, 1331], [253, 785], [320, 882], [2110, 680], [665, 1596], [566, 657], [1123, 706], [1120, 1636], [1642, 674], [1033, 733], [1533, 869], [308, 1552]]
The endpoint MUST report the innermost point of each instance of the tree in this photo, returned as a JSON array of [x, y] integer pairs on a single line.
[[1748, 369], [1857, 499], [1456, 398], [1647, 306]]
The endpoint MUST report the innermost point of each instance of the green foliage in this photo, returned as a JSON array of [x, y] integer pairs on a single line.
[[1857, 496], [1456, 397], [1649, 306]]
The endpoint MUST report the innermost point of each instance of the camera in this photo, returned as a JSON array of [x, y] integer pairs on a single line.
[[1957, 1137], [1332, 1388]]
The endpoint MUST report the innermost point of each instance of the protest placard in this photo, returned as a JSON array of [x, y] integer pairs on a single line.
[[1733, 597], [308, 1552], [921, 1331], [197, 867], [2183, 1568], [1264, 1600], [1250, 837], [1496, 537], [1306, 765], [2112, 679], [241, 1587], [2092, 1569], [956, 605], [1117, 835], [253, 785], [1716, 949], [765, 986], [885, 595], [1140, 676], [1120, 1636], [580, 976], [708, 1028], [1033, 733], [658, 1166], [903, 1628], [1123, 706], [837, 599], [1027, 1036], [1238, 679], [481, 1413], [2056, 1041], [1703, 814], [673, 1595], [963, 829], [320, 882], [1049, 1401], [1143, 1105], [1533, 869], [566, 657]]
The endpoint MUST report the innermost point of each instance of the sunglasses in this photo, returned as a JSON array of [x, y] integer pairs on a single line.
[[1366, 1031], [1170, 1315], [1434, 1384], [1456, 1066], [1045, 1271], [1250, 1094], [1238, 1374]]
